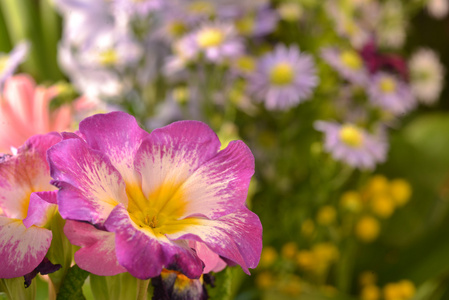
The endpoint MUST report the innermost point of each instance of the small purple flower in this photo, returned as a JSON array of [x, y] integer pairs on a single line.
[[218, 41], [391, 93], [141, 8], [353, 145], [135, 201], [263, 21], [283, 78], [348, 63], [10, 62]]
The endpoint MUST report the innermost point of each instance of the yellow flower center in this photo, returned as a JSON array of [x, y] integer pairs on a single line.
[[351, 59], [177, 28], [246, 63], [160, 212], [245, 25], [351, 136], [108, 57], [210, 38], [281, 74], [387, 85], [3, 62], [201, 7]]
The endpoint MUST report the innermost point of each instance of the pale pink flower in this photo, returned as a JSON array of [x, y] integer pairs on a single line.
[[24, 112]]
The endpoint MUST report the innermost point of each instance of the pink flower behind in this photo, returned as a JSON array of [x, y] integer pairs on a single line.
[[24, 112]]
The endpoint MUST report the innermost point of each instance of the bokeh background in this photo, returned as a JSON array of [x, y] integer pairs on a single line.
[[334, 227]]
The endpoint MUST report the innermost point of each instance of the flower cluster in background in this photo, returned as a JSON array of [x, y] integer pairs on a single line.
[[124, 175]]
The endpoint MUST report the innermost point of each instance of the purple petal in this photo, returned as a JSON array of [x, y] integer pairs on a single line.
[[41, 209], [89, 185], [173, 153], [220, 185], [21, 249], [97, 253], [119, 143], [237, 237], [143, 254], [24, 173]]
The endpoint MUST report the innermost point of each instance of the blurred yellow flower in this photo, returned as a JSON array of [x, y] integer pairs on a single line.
[[264, 280], [367, 229], [292, 286], [407, 289], [305, 259], [401, 191], [290, 11], [327, 252], [383, 206], [289, 250], [307, 228], [367, 278], [392, 291], [326, 215], [268, 256], [370, 292], [351, 201], [378, 184]]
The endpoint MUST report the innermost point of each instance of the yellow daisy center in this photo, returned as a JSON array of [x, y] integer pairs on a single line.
[[351, 59], [177, 28], [246, 63], [108, 57], [3, 62], [282, 74], [162, 211], [245, 25], [387, 85], [351, 136], [201, 7], [210, 38]]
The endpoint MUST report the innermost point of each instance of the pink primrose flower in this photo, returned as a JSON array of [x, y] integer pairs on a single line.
[[24, 112], [27, 203], [140, 202]]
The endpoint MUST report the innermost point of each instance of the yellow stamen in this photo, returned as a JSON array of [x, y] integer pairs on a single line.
[[177, 29], [201, 7], [246, 63], [108, 57], [351, 59], [351, 136], [210, 37], [3, 62], [281, 74], [387, 85]]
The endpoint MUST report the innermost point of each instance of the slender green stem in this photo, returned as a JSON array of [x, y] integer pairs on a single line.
[[142, 288]]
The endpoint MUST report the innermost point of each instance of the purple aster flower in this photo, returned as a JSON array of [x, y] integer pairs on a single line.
[[283, 78], [140, 8], [27, 204], [10, 62], [353, 145], [391, 93], [261, 22], [137, 200], [348, 63], [218, 41]]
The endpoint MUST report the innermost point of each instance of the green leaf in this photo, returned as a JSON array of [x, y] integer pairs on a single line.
[[71, 288], [223, 285]]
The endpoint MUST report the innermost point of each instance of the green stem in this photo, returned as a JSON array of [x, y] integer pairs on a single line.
[[142, 288]]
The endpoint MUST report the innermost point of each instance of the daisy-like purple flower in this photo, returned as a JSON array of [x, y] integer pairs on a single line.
[[137, 200], [353, 145], [27, 204], [218, 41], [348, 63], [283, 78], [10, 62], [391, 93]]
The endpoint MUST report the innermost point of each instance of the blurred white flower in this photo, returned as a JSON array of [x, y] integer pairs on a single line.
[[438, 8], [426, 75]]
